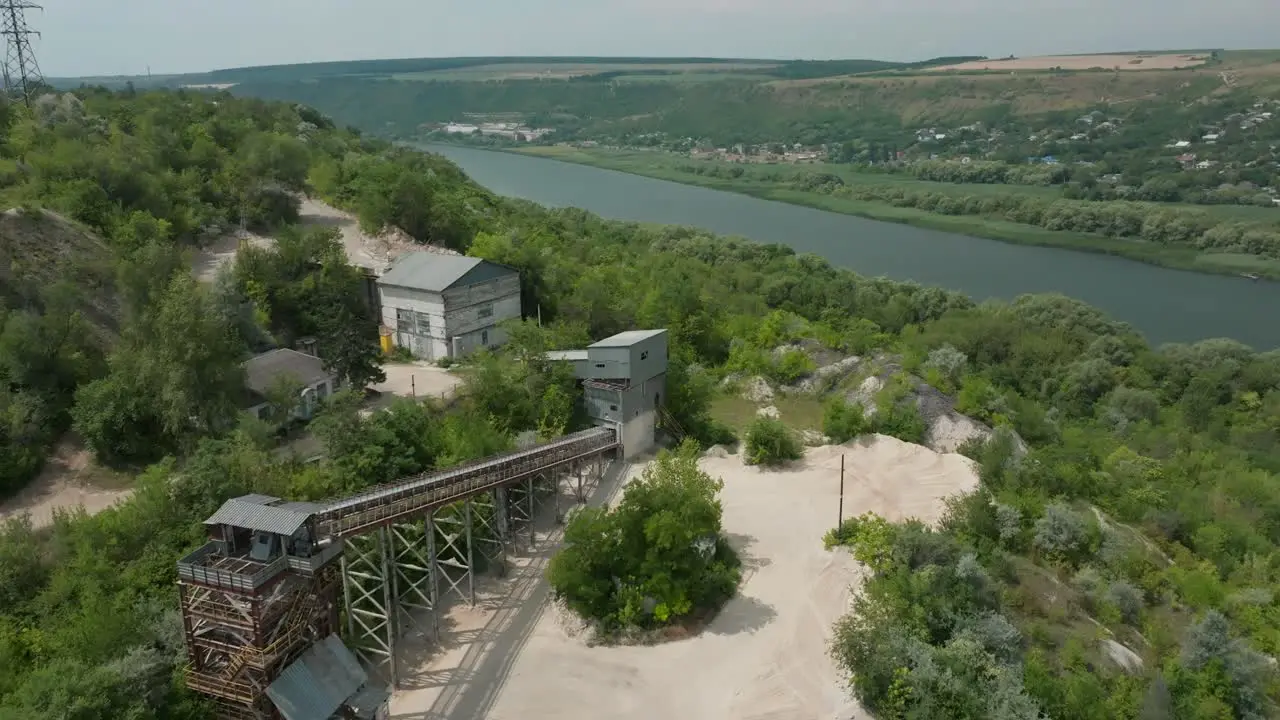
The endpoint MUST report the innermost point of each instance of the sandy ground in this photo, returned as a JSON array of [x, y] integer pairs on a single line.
[[362, 249], [515, 655], [417, 380], [1083, 62], [65, 483]]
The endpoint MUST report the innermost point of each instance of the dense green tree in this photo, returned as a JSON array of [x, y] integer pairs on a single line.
[[655, 559]]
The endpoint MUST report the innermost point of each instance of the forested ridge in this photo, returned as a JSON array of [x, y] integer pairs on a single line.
[[1146, 510]]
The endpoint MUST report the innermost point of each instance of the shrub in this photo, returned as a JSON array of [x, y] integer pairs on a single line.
[[842, 420], [1127, 599], [1061, 533], [657, 557], [901, 420], [770, 442]]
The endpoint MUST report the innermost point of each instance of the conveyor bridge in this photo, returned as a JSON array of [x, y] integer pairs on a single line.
[[387, 504]]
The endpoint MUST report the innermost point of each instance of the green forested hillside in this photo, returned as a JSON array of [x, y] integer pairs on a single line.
[[1146, 510]]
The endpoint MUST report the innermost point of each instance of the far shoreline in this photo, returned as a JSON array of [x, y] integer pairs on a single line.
[[1185, 259]]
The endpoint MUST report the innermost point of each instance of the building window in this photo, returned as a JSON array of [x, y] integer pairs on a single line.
[[486, 311], [613, 408], [404, 320], [644, 355], [424, 323], [599, 365], [484, 338]]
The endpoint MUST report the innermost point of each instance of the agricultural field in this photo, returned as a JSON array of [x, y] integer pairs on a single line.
[[1118, 61]]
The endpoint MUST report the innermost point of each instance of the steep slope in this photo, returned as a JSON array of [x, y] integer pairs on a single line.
[[42, 248]]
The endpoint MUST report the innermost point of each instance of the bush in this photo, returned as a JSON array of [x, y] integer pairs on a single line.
[[1061, 533], [656, 558], [843, 421], [901, 420], [770, 442]]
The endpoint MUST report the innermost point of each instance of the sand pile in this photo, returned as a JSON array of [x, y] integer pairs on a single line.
[[764, 655]]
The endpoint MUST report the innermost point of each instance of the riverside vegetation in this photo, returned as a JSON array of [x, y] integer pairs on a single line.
[[1145, 511], [1088, 160]]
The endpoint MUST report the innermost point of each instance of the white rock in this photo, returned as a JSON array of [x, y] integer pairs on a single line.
[[1126, 659], [769, 412], [757, 390]]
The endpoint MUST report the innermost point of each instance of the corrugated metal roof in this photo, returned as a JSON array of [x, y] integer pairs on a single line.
[[252, 515], [318, 683], [628, 338], [433, 272], [309, 508], [428, 271], [262, 371], [258, 499], [567, 355]]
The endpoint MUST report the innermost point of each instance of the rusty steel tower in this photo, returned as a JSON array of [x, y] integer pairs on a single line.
[[22, 78]]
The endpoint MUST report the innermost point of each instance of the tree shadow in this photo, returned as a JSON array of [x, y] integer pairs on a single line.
[[742, 545], [740, 615]]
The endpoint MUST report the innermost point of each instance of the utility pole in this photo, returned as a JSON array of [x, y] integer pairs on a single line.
[[841, 520], [22, 78]]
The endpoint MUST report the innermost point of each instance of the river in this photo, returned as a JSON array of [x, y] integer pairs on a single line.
[[1165, 305]]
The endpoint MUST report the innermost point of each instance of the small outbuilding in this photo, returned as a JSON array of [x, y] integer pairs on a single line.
[[264, 372], [624, 383], [326, 683], [448, 306]]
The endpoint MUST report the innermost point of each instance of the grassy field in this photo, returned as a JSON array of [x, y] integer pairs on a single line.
[[755, 182], [799, 413]]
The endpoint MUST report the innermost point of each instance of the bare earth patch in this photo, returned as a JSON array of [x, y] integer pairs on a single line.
[[375, 252], [69, 480], [763, 656], [1130, 61]]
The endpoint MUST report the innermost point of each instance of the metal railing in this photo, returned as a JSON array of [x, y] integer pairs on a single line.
[[193, 568], [354, 515]]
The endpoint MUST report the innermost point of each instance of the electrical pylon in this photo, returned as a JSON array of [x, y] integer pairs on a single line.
[[22, 78]]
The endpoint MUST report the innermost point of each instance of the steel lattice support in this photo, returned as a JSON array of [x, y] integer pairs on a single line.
[[368, 591]]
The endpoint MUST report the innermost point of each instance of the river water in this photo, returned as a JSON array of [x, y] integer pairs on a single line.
[[1165, 305]]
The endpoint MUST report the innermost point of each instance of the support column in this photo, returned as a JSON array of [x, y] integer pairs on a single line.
[[389, 599], [429, 528], [531, 497], [471, 560]]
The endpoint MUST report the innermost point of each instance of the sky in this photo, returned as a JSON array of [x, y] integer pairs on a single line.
[[99, 37]]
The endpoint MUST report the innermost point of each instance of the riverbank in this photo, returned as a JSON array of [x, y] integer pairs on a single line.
[[772, 182]]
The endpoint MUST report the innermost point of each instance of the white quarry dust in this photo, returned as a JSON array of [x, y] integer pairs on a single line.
[[517, 656]]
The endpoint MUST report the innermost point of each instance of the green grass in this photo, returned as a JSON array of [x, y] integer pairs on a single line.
[[799, 413], [754, 182]]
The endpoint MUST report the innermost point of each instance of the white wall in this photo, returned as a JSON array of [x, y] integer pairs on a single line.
[[455, 314], [637, 434]]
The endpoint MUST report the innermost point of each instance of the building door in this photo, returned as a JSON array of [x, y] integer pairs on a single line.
[[422, 347]]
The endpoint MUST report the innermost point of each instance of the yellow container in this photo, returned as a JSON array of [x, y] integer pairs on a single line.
[[386, 342]]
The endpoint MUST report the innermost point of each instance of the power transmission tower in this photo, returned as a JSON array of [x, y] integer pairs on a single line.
[[22, 77]]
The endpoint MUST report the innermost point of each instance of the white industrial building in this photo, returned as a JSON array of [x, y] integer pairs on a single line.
[[442, 306], [624, 380]]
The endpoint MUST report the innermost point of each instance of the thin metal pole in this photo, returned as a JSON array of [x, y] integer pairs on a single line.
[[413, 386], [841, 520], [471, 564]]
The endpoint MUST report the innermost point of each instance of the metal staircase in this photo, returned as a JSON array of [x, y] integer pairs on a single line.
[[668, 422]]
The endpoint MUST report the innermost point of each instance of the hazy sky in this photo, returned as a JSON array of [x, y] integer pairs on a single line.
[[101, 37]]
